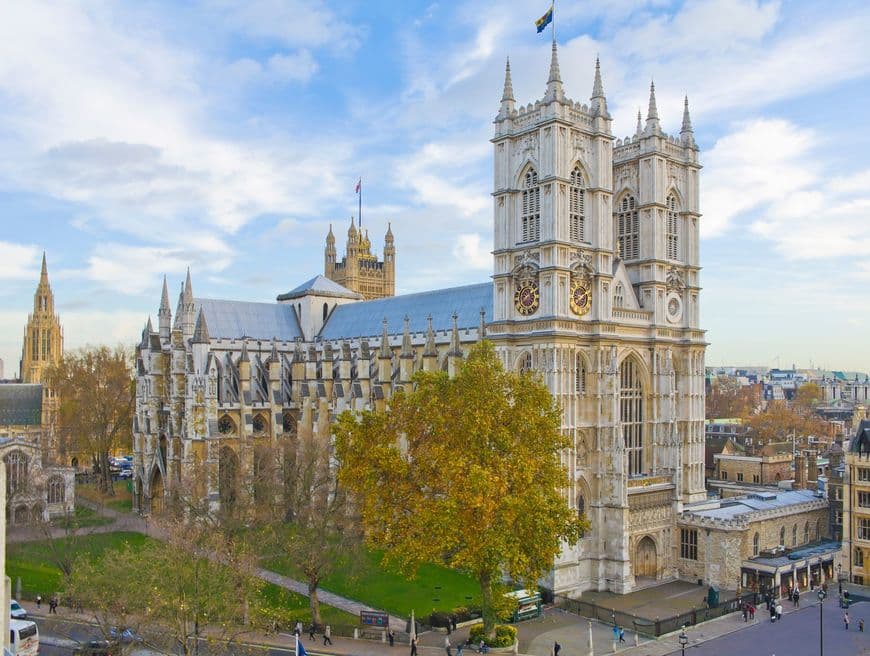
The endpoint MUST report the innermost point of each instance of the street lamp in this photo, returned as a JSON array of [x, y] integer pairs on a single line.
[[684, 640], [822, 596]]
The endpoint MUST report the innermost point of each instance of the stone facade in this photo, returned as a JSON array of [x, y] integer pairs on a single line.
[[360, 270], [595, 286]]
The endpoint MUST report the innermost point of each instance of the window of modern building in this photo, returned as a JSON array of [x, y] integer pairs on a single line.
[[531, 210], [628, 229], [631, 415], [689, 543], [576, 211]]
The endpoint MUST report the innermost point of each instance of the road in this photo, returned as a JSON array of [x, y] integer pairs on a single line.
[[797, 634]]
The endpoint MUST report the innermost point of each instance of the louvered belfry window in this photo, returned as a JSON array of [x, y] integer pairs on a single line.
[[531, 216], [628, 229], [576, 209]]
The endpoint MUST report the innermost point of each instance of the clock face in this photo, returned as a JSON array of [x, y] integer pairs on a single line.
[[581, 298], [527, 299]]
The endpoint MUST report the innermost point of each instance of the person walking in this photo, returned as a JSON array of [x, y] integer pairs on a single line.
[[413, 646], [778, 611], [391, 637], [447, 645], [556, 648], [846, 620], [327, 635]]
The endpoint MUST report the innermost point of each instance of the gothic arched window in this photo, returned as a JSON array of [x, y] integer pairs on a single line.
[[631, 415], [755, 544], [618, 295], [56, 490], [672, 232], [531, 210], [628, 229], [16, 472], [576, 211], [580, 380]]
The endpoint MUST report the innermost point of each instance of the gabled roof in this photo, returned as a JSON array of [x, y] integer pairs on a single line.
[[236, 319], [20, 404], [320, 286], [861, 442], [366, 319]]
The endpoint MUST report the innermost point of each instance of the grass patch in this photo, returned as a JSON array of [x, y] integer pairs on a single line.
[[434, 588], [82, 518], [34, 562], [121, 502]]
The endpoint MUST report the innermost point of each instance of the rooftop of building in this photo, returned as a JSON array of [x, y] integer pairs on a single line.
[[745, 506], [20, 404]]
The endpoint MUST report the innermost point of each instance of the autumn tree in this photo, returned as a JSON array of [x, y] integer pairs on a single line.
[[463, 471], [96, 395]]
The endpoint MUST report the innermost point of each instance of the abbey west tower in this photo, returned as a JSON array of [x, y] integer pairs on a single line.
[[596, 284]]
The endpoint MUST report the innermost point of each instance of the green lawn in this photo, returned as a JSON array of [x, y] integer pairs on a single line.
[[33, 561], [122, 501], [434, 587], [82, 518]]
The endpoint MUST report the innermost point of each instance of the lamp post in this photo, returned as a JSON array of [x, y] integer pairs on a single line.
[[822, 596], [684, 640]]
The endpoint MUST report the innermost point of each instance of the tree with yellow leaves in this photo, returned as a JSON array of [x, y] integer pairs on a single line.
[[464, 471]]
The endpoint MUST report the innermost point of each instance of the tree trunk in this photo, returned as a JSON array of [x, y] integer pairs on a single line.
[[486, 605], [313, 601]]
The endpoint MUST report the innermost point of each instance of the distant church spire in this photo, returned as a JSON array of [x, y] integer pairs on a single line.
[[554, 81], [652, 114]]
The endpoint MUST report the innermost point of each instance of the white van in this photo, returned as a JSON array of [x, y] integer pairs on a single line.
[[23, 638]]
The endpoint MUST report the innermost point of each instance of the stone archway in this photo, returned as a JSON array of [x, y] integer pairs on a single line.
[[157, 491], [645, 558]]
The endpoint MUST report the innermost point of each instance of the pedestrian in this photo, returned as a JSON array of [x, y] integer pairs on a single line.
[[327, 635], [312, 630], [621, 634], [846, 620], [447, 645], [778, 611], [751, 612], [413, 646], [391, 637], [38, 602], [556, 648]]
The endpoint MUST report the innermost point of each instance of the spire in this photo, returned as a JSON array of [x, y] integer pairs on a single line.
[[687, 136], [386, 352], [554, 82], [430, 349], [200, 332], [599, 102], [652, 114], [455, 349], [407, 347]]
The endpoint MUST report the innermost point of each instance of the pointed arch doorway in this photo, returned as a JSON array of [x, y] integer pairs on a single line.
[[645, 559]]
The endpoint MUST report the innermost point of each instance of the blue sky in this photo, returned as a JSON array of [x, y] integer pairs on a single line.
[[137, 139]]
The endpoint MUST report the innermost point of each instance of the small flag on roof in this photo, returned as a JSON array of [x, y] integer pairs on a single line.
[[544, 20]]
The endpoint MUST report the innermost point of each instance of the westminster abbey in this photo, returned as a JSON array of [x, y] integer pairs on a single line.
[[595, 284]]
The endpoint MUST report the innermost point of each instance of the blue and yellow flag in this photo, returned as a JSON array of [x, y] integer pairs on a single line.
[[544, 20]]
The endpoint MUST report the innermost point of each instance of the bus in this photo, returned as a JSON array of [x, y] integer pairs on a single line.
[[23, 638]]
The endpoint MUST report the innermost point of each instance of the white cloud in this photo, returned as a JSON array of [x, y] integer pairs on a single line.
[[18, 261], [471, 252]]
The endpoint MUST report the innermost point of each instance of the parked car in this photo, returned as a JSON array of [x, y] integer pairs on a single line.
[[16, 611]]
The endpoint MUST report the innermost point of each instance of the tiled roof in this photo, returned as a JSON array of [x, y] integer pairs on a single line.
[[365, 319], [235, 319], [320, 286], [20, 404]]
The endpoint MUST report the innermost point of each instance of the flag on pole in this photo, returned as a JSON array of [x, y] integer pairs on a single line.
[[544, 20], [358, 185]]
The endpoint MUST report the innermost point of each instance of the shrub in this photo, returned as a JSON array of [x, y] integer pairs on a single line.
[[505, 635]]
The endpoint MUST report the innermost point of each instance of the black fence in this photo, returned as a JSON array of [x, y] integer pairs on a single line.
[[659, 625]]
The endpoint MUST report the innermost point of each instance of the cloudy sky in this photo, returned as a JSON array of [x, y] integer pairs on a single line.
[[140, 138]]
